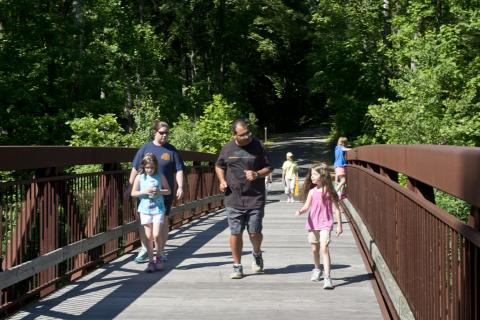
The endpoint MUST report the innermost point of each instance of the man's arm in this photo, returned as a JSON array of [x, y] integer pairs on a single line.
[[221, 178], [264, 172], [252, 175]]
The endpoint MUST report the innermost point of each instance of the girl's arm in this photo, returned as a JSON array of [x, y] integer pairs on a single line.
[[338, 219], [306, 206], [340, 185], [165, 187], [136, 188]]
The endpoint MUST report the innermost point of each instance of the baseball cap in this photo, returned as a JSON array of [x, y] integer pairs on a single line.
[[289, 154]]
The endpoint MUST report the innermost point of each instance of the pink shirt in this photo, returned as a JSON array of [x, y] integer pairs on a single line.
[[321, 211]]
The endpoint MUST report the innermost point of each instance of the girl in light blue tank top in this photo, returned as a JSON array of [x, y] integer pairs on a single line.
[[150, 187], [150, 204]]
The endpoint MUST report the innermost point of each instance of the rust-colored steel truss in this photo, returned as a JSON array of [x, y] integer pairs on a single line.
[[45, 208], [433, 256]]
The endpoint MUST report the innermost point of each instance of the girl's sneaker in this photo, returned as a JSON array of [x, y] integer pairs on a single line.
[[159, 264], [150, 267], [327, 283], [164, 255], [316, 274], [142, 256]]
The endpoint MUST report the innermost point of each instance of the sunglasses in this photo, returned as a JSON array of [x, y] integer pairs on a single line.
[[163, 132]]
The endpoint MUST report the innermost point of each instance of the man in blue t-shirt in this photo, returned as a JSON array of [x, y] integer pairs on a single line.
[[170, 165]]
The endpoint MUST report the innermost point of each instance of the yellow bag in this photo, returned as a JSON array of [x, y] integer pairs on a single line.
[[296, 191]]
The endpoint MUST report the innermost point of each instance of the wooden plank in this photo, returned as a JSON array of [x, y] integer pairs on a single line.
[[32, 267], [195, 283]]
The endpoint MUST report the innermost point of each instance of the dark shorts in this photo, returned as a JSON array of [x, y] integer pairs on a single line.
[[239, 218]]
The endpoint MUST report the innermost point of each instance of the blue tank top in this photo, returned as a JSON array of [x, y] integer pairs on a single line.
[[148, 204]]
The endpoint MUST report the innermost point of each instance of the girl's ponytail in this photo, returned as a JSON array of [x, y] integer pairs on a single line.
[[307, 185]]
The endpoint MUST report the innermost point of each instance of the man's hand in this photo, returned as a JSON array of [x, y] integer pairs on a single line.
[[223, 186], [250, 175]]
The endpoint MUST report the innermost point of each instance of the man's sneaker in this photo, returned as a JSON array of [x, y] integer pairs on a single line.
[[327, 283], [316, 273], [150, 267], [142, 256], [237, 272], [257, 264], [158, 264]]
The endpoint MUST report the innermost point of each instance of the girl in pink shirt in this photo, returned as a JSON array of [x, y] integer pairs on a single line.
[[319, 196]]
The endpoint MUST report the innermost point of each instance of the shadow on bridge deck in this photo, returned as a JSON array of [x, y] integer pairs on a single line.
[[196, 284]]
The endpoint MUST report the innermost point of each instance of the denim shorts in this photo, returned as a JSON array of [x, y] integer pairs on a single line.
[[239, 218]]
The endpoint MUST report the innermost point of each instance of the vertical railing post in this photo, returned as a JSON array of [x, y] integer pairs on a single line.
[[472, 278], [392, 175], [422, 189], [48, 224], [111, 202]]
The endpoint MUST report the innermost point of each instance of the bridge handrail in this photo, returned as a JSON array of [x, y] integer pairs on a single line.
[[33, 157], [55, 225], [432, 256], [452, 169]]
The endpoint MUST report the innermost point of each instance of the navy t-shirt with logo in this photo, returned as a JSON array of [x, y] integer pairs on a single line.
[[234, 159]]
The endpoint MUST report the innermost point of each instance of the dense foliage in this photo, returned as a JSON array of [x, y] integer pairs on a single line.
[[86, 72], [384, 71], [435, 53]]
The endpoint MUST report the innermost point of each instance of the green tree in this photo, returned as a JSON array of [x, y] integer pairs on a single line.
[[213, 127], [436, 88], [184, 134], [103, 131], [347, 64]]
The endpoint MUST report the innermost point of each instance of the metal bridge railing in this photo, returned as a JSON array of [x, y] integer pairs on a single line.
[[55, 226], [433, 256]]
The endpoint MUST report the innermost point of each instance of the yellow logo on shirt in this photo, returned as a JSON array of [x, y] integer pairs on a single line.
[[165, 156]]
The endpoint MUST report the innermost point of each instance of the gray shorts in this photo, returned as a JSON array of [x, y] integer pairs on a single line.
[[238, 219]]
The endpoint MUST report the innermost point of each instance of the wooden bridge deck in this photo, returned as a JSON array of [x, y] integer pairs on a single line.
[[195, 284]]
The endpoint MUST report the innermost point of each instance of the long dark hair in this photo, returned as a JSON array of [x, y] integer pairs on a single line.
[[325, 181]]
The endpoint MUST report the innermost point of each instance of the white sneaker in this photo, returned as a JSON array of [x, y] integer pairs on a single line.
[[327, 283], [257, 263], [237, 272], [316, 273]]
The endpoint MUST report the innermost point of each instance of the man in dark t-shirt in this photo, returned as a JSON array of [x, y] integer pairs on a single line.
[[241, 168]]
